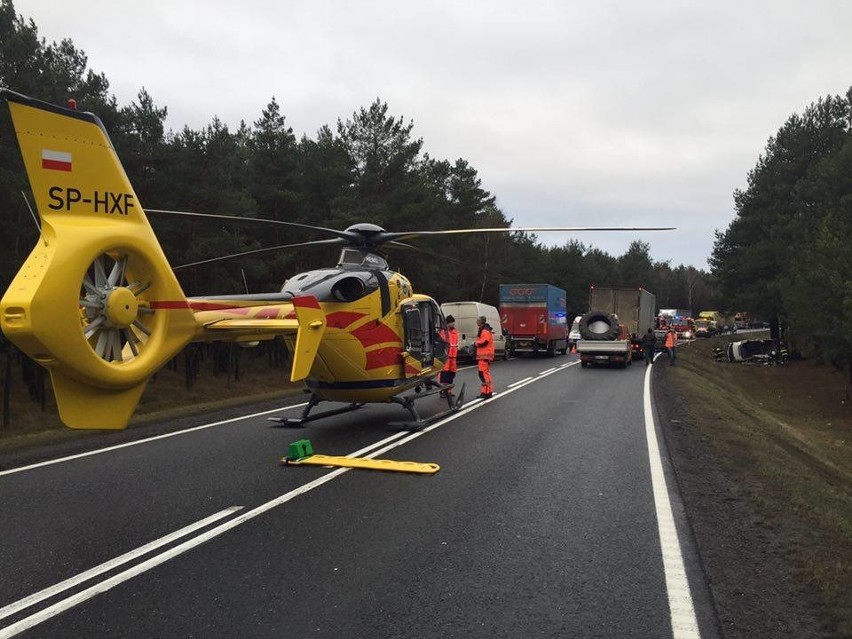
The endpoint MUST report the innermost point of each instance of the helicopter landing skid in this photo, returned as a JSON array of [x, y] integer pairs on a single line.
[[297, 422], [417, 422]]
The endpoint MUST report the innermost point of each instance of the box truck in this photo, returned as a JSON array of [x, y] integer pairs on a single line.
[[611, 332], [534, 316]]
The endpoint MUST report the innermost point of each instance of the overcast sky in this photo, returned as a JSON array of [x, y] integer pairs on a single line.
[[573, 113]]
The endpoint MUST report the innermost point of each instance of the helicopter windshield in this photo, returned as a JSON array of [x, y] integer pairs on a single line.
[[355, 257]]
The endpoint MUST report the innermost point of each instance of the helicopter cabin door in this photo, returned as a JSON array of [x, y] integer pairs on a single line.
[[422, 321]]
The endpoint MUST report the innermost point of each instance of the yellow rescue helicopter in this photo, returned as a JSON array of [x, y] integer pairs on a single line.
[[99, 306]]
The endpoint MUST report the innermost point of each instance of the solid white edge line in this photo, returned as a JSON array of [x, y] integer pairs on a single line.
[[146, 440], [88, 593], [681, 609], [41, 595], [525, 379]]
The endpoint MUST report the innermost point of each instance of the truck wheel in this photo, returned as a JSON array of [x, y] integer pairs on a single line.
[[551, 349]]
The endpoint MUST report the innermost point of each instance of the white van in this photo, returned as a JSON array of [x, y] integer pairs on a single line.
[[465, 314]]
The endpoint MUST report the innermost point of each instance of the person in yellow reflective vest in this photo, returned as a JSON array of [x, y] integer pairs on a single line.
[[484, 356], [451, 336]]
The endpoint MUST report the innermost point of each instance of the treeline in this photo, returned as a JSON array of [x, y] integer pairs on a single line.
[[787, 255], [368, 167]]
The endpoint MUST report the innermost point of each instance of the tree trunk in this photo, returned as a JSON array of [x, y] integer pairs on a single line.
[[774, 329]]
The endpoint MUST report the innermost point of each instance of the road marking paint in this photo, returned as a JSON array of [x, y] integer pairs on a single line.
[[41, 595], [146, 440], [549, 370], [374, 449], [103, 586], [525, 379], [681, 610]]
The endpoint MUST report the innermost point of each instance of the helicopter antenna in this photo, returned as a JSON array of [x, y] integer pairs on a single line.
[[34, 216]]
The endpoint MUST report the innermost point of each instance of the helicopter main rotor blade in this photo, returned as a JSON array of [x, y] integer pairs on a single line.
[[346, 235], [477, 267], [404, 245], [336, 241], [405, 235]]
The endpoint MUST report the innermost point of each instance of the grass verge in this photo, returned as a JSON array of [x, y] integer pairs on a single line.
[[764, 459]]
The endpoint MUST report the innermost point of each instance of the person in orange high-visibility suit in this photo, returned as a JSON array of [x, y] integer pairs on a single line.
[[451, 336], [671, 344], [484, 356]]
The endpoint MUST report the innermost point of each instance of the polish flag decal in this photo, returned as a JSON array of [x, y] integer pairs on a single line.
[[55, 160]]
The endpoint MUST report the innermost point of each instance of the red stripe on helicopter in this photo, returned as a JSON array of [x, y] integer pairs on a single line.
[[306, 301], [383, 357], [198, 306], [342, 319], [267, 313], [410, 370], [377, 334]]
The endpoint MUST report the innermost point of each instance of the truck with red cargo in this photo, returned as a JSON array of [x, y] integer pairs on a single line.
[[535, 317]]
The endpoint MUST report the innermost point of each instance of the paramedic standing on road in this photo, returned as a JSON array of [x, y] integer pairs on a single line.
[[451, 336], [484, 356], [671, 342]]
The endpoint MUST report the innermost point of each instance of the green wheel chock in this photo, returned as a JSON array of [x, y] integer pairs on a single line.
[[300, 449]]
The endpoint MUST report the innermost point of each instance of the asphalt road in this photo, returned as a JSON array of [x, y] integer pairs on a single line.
[[543, 521]]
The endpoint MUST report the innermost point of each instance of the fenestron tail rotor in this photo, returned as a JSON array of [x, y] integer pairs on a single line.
[[116, 321]]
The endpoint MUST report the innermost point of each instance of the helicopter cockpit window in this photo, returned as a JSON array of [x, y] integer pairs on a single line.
[[423, 323], [414, 334]]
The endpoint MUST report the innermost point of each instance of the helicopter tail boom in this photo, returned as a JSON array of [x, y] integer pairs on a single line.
[[96, 302]]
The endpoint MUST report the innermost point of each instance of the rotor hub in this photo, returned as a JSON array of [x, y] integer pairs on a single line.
[[122, 307]]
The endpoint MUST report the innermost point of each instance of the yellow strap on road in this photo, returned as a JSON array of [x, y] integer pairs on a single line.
[[373, 464]]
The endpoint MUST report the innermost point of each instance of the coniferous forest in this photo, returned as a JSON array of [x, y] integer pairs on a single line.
[[785, 258]]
